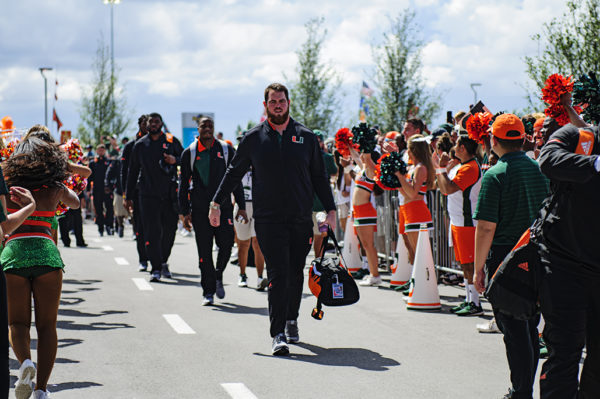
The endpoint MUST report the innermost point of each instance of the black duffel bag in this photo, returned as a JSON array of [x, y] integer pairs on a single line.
[[330, 281]]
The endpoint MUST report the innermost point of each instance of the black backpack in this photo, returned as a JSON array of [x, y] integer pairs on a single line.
[[330, 281]]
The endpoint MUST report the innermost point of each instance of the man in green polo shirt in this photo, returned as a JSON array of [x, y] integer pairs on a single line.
[[511, 195]]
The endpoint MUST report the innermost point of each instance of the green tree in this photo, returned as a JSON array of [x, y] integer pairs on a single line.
[[315, 95], [103, 109], [569, 45], [400, 89]]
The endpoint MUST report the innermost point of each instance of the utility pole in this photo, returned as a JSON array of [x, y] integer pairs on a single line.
[[473, 85], [42, 70]]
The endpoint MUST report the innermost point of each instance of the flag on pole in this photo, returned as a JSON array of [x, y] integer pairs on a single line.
[[365, 93], [56, 119]]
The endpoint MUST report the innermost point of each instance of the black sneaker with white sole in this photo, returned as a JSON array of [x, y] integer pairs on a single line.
[[280, 347], [155, 278], [220, 291]]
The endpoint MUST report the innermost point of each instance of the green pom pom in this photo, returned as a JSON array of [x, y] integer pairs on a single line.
[[364, 136], [586, 93]]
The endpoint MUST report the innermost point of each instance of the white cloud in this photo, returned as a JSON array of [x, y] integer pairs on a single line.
[[178, 55]]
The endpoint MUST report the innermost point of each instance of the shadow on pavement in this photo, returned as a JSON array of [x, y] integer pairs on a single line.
[[99, 326], [360, 358], [65, 361], [240, 309], [71, 301], [81, 282], [66, 342], [72, 385], [77, 313], [175, 275], [179, 281]]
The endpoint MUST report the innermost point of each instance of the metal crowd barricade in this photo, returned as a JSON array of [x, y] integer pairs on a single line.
[[387, 230]]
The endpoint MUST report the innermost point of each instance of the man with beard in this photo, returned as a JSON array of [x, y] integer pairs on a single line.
[[153, 169], [101, 195], [203, 166], [287, 170], [137, 220]]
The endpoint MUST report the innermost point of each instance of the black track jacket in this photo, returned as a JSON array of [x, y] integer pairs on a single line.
[[572, 230], [193, 191], [286, 172]]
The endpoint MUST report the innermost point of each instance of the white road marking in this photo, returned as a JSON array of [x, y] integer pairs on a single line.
[[107, 248], [142, 284], [177, 323], [96, 240], [237, 390], [121, 261]]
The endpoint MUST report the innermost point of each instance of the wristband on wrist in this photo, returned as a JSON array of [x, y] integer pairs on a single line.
[[440, 171], [214, 205]]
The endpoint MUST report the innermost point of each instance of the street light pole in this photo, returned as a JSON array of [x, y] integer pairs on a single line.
[[112, 49], [42, 69], [473, 85]]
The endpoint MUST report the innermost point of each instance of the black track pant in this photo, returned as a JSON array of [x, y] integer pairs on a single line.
[[521, 338], [103, 205], [285, 247], [159, 220], [138, 229], [571, 309], [71, 220], [223, 236], [4, 370]]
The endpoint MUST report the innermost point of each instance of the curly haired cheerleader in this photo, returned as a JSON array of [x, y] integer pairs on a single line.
[[31, 260]]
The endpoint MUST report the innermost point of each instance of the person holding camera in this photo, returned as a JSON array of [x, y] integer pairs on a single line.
[[288, 169], [153, 175], [203, 165], [569, 295]]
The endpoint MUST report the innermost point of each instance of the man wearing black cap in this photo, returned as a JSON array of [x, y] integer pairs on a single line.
[[287, 169], [153, 171]]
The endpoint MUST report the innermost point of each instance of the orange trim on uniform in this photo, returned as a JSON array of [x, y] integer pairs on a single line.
[[364, 215], [36, 223], [585, 143], [463, 239], [43, 214], [416, 213], [423, 304], [400, 220]]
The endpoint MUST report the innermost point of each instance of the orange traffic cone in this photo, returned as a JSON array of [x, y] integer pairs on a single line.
[[424, 292], [351, 250], [401, 269]]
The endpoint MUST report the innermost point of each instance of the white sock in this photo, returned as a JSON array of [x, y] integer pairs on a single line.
[[474, 294], [467, 293], [365, 264]]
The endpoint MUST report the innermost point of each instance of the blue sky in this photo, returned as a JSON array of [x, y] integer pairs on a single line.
[[217, 56]]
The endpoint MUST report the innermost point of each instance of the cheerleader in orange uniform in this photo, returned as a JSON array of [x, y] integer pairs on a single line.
[[414, 186], [365, 217]]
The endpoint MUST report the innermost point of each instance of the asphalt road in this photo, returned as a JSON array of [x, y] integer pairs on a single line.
[[120, 337]]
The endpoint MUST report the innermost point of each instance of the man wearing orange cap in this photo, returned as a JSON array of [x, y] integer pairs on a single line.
[[511, 195]]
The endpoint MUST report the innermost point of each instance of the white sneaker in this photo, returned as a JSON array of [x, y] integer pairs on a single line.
[[370, 281], [490, 327], [39, 394], [24, 385], [262, 283]]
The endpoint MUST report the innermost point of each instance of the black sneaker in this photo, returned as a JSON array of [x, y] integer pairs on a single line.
[[470, 310], [292, 334], [220, 291], [165, 270], [243, 281], [82, 245], [155, 278], [360, 273], [109, 231], [509, 395], [120, 232], [459, 307], [143, 267], [280, 347]]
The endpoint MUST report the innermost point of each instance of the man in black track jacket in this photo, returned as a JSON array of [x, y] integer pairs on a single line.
[[203, 165], [154, 161], [569, 293], [102, 196], [287, 170], [138, 228]]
